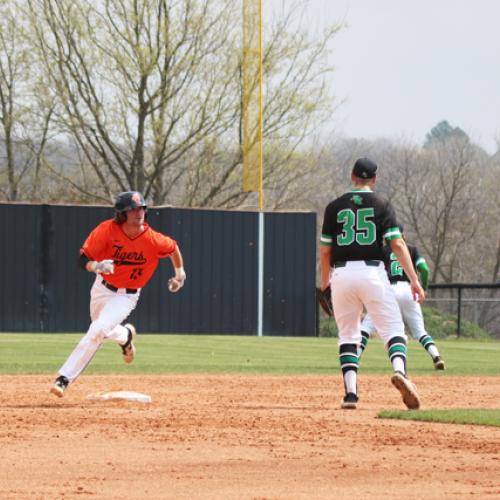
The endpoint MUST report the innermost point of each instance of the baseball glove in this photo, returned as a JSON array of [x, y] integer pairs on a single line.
[[325, 300]]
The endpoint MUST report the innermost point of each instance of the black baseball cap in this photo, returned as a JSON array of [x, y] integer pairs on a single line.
[[364, 168]]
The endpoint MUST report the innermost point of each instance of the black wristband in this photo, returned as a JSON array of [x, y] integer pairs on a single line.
[[82, 261]]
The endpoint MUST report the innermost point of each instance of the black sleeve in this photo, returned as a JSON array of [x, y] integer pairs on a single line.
[[328, 221], [415, 255], [390, 229], [82, 261]]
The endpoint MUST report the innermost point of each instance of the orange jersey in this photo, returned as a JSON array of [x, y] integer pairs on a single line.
[[135, 259]]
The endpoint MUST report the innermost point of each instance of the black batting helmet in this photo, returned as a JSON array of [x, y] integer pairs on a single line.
[[128, 201]]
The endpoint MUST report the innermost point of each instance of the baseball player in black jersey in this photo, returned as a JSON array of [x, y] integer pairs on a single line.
[[355, 226], [410, 310]]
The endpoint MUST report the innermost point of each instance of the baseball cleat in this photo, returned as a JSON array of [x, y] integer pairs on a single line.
[[128, 349], [59, 386], [438, 363], [407, 390], [349, 402]]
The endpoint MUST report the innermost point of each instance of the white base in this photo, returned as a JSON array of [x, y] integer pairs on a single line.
[[120, 395]]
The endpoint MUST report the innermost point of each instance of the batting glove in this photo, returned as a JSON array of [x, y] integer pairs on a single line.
[[103, 267]]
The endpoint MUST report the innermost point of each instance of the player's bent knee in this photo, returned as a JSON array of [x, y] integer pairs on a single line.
[[97, 331]]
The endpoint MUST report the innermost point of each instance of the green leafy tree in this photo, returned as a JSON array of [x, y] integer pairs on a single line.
[[444, 132]]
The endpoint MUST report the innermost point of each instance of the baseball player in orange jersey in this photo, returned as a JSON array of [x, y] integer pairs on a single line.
[[355, 226], [124, 253]]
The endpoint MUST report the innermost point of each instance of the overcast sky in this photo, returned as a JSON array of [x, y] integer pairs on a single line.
[[404, 65]]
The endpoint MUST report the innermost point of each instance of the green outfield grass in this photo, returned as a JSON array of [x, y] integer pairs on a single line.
[[454, 416], [178, 354], [170, 354]]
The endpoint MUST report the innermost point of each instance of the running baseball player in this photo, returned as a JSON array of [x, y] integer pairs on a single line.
[[410, 310], [123, 253], [355, 226]]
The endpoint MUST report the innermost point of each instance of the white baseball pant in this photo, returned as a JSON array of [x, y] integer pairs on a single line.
[[356, 285], [410, 310], [108, 310]]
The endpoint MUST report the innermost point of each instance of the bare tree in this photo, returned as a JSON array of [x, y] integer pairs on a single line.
[[487, 248], [434, 191], [150, 91], [25, 110], [139, 82]]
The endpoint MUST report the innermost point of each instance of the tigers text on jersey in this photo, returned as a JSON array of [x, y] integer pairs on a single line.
[[393, 267], [135, 259], [356, 224]]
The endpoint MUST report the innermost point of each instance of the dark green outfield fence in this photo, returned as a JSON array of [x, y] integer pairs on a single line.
[[42, 289]]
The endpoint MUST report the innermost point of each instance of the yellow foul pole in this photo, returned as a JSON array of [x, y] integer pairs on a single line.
[[252, 98]]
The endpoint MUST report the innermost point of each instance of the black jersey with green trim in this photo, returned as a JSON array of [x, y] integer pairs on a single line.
[[394, 269], [356, 224]]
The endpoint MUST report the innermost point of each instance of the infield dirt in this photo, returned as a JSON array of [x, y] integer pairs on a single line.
[[243, 437]]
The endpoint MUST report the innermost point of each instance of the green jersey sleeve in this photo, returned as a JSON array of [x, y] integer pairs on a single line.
[[423, 269]]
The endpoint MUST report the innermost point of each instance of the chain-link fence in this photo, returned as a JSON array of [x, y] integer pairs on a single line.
[[468, 302]]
